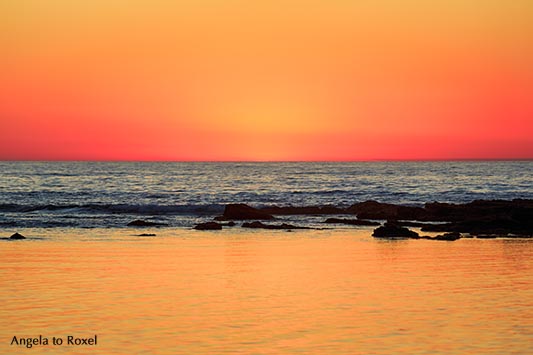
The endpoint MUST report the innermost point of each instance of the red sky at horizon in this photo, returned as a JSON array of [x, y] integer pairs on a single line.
[[266, 80]]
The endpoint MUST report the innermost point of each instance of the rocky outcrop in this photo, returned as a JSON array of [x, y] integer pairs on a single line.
[[17, 236], [353, 222], [309, 210], [518, 209], [413, 224], [392, 230], [481, 218], [211, 226], [377, 210], [487, 217], [261, 225], [448, 236], [241, 211], [488, 225]]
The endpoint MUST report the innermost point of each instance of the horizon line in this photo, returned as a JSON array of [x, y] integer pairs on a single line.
[[266, 161]]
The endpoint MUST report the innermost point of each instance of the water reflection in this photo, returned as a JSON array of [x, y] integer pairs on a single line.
[[269, 293]]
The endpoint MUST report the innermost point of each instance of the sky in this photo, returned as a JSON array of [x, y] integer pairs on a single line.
[[228, 80]]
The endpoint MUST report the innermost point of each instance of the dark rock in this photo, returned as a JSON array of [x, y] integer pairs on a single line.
[[481, 217], [518, 210], [448, 236], [141, 223], [354, 222], [309, 210], [487, 225], [258, 224], [229, 224], [146, 235], [208, 226], [242, 211], [413, 224], [392, 230], [291, 226], [377, 210], [17, 236]]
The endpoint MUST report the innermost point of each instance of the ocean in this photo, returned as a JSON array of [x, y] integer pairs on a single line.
[[82, 274], [110, 194]]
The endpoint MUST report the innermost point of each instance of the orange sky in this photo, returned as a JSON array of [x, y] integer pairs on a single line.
[[266, 80]]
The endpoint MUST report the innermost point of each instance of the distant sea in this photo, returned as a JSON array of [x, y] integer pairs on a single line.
[[110, 194]]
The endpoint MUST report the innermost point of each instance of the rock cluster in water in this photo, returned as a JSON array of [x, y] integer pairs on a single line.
[[241, 211], [478, 217], [262, 225], [483, 218]]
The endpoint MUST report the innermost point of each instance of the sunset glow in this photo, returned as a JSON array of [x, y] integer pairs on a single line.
[[266, 80]]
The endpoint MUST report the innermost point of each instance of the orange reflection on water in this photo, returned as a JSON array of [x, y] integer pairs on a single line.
[[269, 293]]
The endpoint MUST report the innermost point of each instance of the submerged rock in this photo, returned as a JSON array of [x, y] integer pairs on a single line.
[[141, 223], [258, 224], [414, 224], [243, 211], [17, 236], [487, 225], [353, 222], [392, 230], [378, 210], [309, 210], [208, 226], [448, 236]]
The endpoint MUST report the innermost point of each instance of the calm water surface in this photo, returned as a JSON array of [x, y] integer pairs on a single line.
[[321, 292]]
